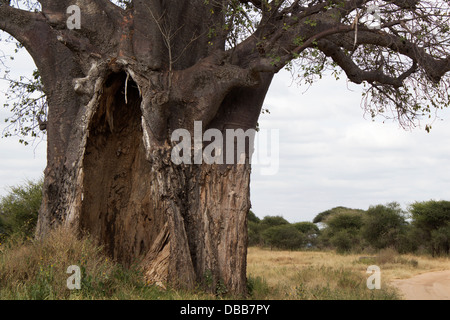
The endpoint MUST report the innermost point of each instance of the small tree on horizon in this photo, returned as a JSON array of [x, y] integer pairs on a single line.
[[384, 226], [343, 231], [433, 219]]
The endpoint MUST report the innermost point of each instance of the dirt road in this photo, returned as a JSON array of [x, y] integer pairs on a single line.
[[426, 286]]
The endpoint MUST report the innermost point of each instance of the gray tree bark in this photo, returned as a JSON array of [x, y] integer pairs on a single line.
[[117, 89]]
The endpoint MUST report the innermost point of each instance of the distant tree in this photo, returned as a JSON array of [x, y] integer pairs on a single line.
[[252, 217], [309, 230], [412, 240], [306, 227], [343, 230], [440, 239], [254, 234], [271, 221], [276, 231], [284, 236], [384, 225], [19, 209], [321, 217], [266, 223], [343, 240], [433, 219]]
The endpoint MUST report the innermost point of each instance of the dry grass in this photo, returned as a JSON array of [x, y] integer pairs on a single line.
[[395, 266], [37, 270], [327, 275]]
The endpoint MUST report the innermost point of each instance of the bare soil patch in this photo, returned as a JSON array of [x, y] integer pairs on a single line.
[[426, 286]]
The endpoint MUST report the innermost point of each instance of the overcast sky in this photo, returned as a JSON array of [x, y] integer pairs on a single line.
[[329, 154], [17, 162]]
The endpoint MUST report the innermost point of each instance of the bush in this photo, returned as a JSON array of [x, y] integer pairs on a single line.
[[310, 231], [323, 216], [343, 231], [284, 236], [440, 239], [272, 221], [254, 232], [19, 210], [343, 241], [384, 225], [411, 240], [433, 219]]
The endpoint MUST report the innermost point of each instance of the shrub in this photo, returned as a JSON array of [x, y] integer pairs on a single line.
[[384, 225], [254, 232], [440, 239], [19, 210], [284, 236], [272, 221], [343, 241], [310, 231], [433, 219], [343, 231], [323, 216]]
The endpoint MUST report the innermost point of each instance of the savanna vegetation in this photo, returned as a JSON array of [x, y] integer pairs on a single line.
[[286, 260], [424, 228]]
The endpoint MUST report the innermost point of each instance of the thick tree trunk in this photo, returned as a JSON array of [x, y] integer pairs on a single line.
[[117, 89], [185, 224]]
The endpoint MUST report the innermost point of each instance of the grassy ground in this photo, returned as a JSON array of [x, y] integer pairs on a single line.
[[36, 270], [327, 275]]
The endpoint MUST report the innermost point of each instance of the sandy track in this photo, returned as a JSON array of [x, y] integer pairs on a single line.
[[426, 286]]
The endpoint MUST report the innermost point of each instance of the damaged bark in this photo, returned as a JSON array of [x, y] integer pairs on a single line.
[[185, 223], [110, 172]]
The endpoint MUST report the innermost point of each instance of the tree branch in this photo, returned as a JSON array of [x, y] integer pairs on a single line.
[[207, 83], [270, 65], [18, 23], [435, 68], [257, 3], [97, 17], [357, 75]]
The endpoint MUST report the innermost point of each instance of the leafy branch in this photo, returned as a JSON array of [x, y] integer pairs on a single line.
[[28, 107]]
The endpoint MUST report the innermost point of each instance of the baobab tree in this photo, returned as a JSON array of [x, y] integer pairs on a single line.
[[126, 75]]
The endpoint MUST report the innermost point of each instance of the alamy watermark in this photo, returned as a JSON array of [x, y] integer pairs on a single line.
[[234, 146], [74, 20], [374, 281], [74, 281]]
